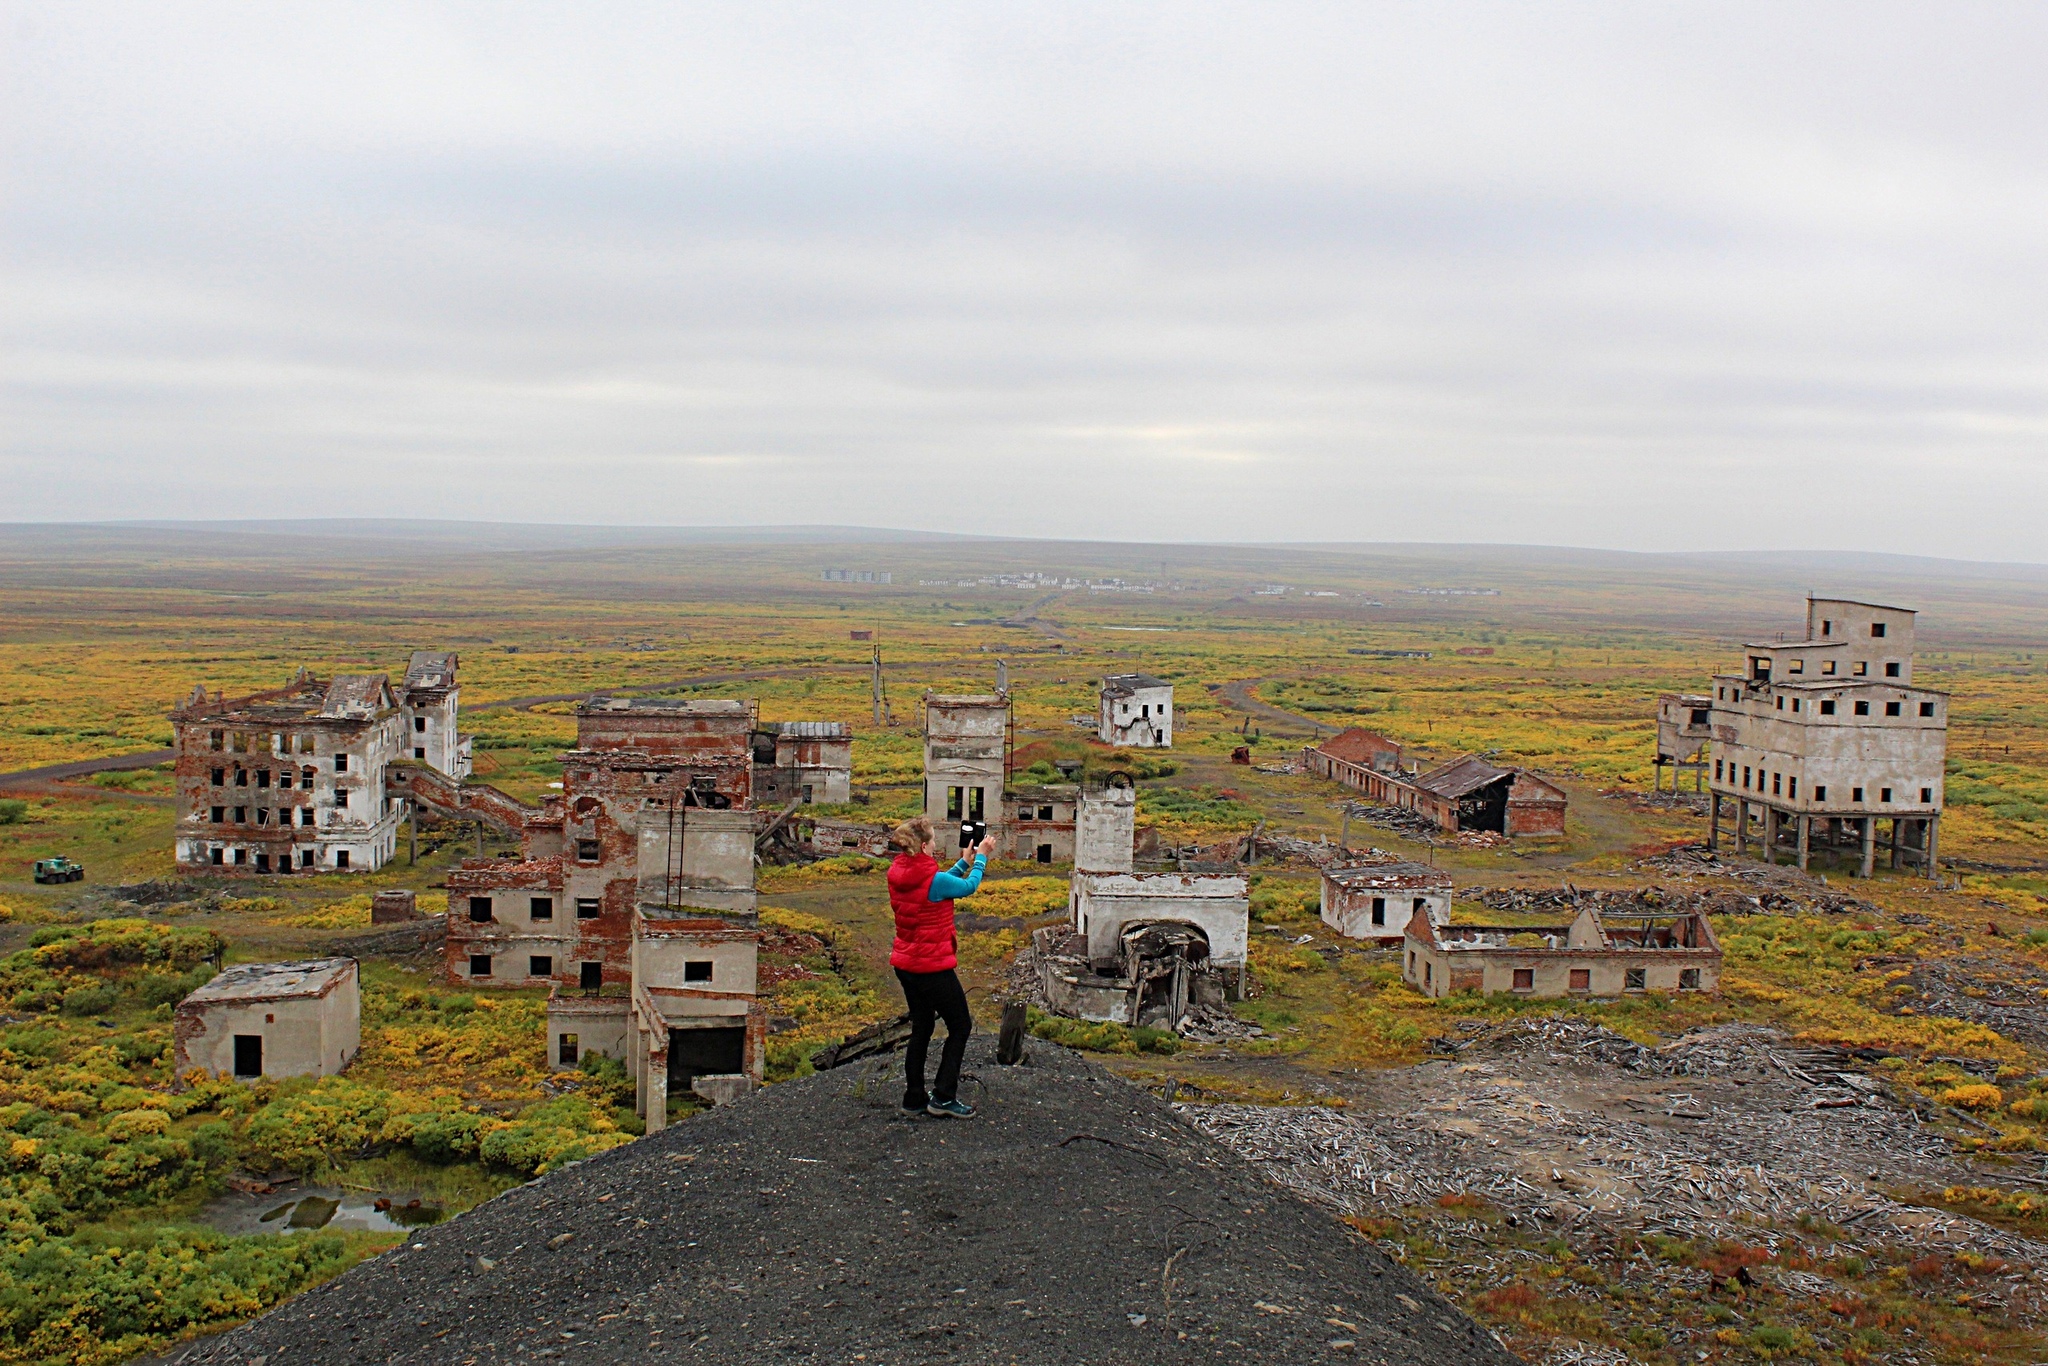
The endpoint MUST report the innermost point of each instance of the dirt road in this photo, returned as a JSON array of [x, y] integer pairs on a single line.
[[1242, 694]]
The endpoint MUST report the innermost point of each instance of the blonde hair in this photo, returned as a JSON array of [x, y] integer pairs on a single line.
[[912, 836]]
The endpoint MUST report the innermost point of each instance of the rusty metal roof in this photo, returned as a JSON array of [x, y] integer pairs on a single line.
[[1461, 777], [1359, 746]]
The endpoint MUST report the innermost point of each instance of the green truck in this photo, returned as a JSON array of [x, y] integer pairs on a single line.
[[59, 869]]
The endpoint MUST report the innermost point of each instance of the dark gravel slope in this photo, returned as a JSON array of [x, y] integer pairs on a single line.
[[1075, 1221]]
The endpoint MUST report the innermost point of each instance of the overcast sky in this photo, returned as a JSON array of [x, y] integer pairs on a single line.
[[1643, 276]]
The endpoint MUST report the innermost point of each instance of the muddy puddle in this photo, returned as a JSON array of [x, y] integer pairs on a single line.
[[302, 1209]]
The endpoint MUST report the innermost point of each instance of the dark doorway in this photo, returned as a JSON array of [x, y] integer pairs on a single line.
[[693, 1053], [590, 976], [1486, 808], [1045, 853], [248, 1055]]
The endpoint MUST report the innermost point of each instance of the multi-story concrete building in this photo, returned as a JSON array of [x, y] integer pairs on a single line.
[[427, 704], [633, 899], [1819, 741], [1136, 710], [967, 760], [290, 780]]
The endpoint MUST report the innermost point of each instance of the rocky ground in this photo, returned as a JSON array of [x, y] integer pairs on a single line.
[[1077, 1220]]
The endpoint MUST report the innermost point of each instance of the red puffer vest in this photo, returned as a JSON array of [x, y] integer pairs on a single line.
[[925, 938]]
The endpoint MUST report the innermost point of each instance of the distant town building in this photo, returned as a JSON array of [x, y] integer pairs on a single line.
[[1819, 741], [260, 1020], [1467, 793], [1136, 710], [1618, 954], [856, 576], [1375, 899]]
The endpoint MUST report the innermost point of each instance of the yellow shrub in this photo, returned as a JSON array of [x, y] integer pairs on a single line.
[[798, 922], [1976, 1096], [136, 1124]]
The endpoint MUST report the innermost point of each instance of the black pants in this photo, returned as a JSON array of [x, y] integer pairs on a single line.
[[933, 996]]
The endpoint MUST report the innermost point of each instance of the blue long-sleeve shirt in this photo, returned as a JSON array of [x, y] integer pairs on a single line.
[[959, 880]]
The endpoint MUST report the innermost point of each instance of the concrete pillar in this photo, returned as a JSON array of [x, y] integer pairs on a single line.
[[656, 1089], [1933, 841], [1869, 846], [636, 1064], [1741, 826], [1895, 844], [1771, 822], [1805, 823], [1714, 823]]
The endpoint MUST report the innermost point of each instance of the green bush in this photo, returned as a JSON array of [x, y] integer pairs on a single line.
[[90, 1000], [103, 1297], [1097, 1037], [12, 811], [312, 1126]]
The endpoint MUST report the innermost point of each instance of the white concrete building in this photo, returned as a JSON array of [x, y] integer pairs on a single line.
[[1136, 711], [427, 703], [966, 761], [1377, 900], [1818, 742], [271, 1020]]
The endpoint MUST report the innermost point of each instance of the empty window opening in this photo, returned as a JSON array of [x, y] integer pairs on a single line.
[[241, 815], [220, 739], [540, 965], [1860, 669], [588, 907], [263, 777], [1891, 669], [419, 723], [220, 856], [241, 777], [248, 1055], [305, 858], [479, 908], [1877, 630], [419, 753], [1827, 666], [1926, 796], [1777, 784], [220, 814], [588, 851], [1894, 708], [1792, 787], [262, 815], [220, 776], [1927, 709], [1820, 792], [340, 799], [341, 763], [1688, 979], [697, 971], [1855, 794], [590, 976], [1632, 979], [566, 1052], [1379, 910], [1045, 853], [1717, 770], [479, 965], [1827, 707], [1862, 709], [1884, 794], [262, 863], [341, 858], [541, 908]]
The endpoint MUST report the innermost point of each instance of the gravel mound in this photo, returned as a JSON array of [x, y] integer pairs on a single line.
[[1076, 1220]]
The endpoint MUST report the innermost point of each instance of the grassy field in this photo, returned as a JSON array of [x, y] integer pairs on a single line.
[[1556, 666]]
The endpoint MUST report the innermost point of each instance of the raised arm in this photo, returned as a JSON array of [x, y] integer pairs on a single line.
[[959, 880]]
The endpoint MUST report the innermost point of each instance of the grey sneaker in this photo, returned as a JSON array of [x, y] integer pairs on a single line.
[[950, 1109]]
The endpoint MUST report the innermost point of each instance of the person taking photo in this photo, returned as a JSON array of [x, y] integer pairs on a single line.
[[925, 954]]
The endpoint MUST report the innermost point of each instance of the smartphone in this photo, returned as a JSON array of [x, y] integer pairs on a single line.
[[972, 833]]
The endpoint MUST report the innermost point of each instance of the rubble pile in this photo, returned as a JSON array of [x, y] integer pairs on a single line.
[[1569, 900], [1730, 1132]]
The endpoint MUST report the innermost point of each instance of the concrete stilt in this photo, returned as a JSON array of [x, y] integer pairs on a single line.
[[1714, 823], [1771, 822], [1933, 842], [1805, 831], [1869, 846], [1741, 826], [1895, 844]]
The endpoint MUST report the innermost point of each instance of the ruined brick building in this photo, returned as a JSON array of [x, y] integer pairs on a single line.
[[1685, 726], [632, 898], [1374, 898], [1819, 742], [1619, 954], [1467, 793], [1135, 710], [293, 780]]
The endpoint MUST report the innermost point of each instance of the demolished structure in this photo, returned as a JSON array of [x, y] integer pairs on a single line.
[[802, 761], [1139, 948], [1818, 741], [1374, 899], [1135, 711], [1685, 726], [632, 898], [1467, 793], [969, 743], [294, 779], [260, 1020], [1616, 954]]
